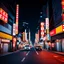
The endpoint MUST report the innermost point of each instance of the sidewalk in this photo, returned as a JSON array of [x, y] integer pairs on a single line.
[[60, 53], [4, 54]]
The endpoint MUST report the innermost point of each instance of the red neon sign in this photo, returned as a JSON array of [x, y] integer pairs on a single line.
[[3, 16], [42, 29], [63, 27], [53, 32], [17, 14]]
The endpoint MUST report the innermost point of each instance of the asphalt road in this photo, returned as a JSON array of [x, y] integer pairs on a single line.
[[32, 57]]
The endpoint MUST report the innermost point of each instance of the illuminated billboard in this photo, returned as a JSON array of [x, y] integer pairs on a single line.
[[3, 16], [14, 29], [17, 15], [47, 23], [53, 32], [59, 29], [3, 35], [42, 29]]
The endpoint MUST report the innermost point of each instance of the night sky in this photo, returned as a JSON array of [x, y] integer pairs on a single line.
[[29, 12]]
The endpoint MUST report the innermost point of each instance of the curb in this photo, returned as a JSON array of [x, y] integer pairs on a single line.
[[55, 52], [9, 53], [58, 53]]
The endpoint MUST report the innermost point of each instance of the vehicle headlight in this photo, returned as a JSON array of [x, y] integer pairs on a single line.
[[29, 47], [25, 47]]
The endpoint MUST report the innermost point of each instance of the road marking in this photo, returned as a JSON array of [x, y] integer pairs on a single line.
[[27, 53], [37, 53], [56, 56], [23, 59], [61, 60]]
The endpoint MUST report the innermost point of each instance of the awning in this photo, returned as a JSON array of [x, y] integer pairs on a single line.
[[5, 36]]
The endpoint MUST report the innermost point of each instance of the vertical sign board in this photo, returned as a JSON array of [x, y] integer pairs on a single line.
[[42, 29], [47, 23], [47, 28], [17, 15], [14, 26]]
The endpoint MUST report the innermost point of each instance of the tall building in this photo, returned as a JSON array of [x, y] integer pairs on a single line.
[[6, 27], [57, 33], [50, 11]]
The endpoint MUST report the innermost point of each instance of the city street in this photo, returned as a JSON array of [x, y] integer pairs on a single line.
[[31, 31], [32, 57]]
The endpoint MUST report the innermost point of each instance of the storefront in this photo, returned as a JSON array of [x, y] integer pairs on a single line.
[[4, 42], [57, 35], [63, 44], [4, 46], [58, 45]]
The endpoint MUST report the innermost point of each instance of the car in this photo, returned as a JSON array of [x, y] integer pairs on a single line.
[[38, 48], [27, 47]]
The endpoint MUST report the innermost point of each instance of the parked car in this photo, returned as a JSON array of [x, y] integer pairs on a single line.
[[38, 48]]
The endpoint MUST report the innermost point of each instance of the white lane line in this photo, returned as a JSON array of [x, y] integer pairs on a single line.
[[23, 59], [56, 56], [27, 53], [37, 53]]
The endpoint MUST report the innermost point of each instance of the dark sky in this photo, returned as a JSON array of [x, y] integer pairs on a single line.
[[29, 12]]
